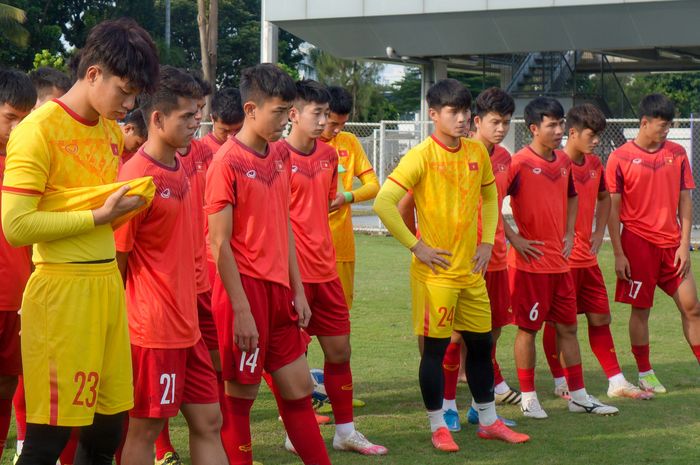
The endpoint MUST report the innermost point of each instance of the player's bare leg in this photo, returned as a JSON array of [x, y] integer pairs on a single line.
[[204, 422], [639, 340], [686, 299], [142, 434]]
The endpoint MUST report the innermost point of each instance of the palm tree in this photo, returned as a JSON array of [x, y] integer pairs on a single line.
[[11, 19]]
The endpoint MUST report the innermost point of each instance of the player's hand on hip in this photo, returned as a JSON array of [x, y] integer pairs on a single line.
[[527, 248], [301, 306], [622, 267], [568, 245], [482, 257], [338, 202], [117, 205], [596, 243], [245, 332], [682, 260], [431, 257]]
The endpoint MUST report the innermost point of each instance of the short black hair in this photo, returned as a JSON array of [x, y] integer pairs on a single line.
[[657, 106], [226, 106], [45, 79], [494, 100], [206, 86], [125, 50], [449, 93], [539, 107], [17, 90], [341, 100], [585, 116], [265, 81], [172, 84], [309, 91], [136, 119]]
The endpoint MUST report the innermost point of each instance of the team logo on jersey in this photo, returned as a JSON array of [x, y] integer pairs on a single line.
[[537, 170], [295, 168], [563, 171], [165, 193], [71, 148], [500, 167], [637, 161], [115, 149], [669, 160], [342, 153], [279, 165], [473, 166], [325, 165], [252, 174], [199, 165], [593, 174]]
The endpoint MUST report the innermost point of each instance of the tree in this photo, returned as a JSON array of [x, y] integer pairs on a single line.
[[208, 22], [11, 20], [46, 58], [406, 93]]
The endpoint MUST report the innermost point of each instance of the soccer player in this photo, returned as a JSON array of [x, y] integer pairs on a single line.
[[247, 200], [649, 180], [314, 183], [75, 340], [172, 368], [584, 124], [352, 157], [49, 83], [544, 204], [448, 174], [226, 117], [135, 132], [17, 97]]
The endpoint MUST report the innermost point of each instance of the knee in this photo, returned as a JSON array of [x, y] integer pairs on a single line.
[[692, 310], [567, 331], [598, 319], [339, 354], [208, 424]]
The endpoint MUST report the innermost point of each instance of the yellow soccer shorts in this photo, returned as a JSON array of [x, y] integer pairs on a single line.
[[346, 273], [75, 344], [439, 310]]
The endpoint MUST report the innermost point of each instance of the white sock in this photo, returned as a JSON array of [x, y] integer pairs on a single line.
[[644, 373], [486, 411], [437, 420], [20, 444], [501, 388], [559, 381], [579, 396], [617, 380], [449, 404], [344, 430], [526, 396]]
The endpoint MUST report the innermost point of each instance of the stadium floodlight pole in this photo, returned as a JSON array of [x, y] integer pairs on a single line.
[[269, 34]]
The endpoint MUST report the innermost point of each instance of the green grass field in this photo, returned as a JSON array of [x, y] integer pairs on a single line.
[[385, 363]]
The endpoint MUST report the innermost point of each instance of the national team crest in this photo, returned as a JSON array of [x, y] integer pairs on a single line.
[[668, 160], [342, 153], [563, 171], [501, 168], [115, 149], [279, 165], [199, 165], [325, 165], [473, 166], [593, 174]]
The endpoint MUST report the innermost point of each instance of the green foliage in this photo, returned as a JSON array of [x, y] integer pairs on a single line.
[[682, 88], [11, 20], [293, 73], [53, 60]]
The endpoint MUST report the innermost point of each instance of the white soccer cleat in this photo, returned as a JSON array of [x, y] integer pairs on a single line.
[[289, 446], [592, 405], [628, 390], [562, 390], [357, 442], [531, 408]]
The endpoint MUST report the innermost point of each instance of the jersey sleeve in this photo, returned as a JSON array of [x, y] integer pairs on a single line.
[[687, 181], [613, 175], [409, 171], [220, 189], [28, 161]]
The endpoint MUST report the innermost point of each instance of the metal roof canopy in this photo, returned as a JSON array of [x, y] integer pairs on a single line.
[[363, 29]]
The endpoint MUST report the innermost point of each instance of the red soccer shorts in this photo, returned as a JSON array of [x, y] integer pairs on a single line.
[[10, 347], [329, 310], [280, 340], [206, 321], [164, 379], [591, 294], [651, 266], [499, 294], [540, 297]]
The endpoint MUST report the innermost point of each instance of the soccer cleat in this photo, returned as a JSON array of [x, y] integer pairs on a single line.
[[593, 406], [629, 390], [357, 403], [562, 390], [501, 432], [357, 442], [511, 397], [15, 459], [322, 419], [442, 440], [452, 419], [170, 458], [532, 409], [651, 383], [473, 418]]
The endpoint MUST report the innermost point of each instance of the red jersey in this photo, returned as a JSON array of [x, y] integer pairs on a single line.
[[212, 142], [539, 190], [126, 156], [195, 163], [160, 290], [500, 162], [257, 186], [650, 184], [589, 180], [15, 264], [314, 183]]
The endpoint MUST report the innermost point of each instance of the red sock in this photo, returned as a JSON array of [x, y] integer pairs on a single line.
[[603, 347], [163, 444], [337, 378], [696, 351], [450, 369], [497, 376], [300, 423], [549, 342], [574, 377], [5, 418], [526, 377], [20, 410], [68, 455], [235, 432], [641, 355]]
